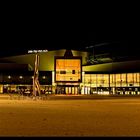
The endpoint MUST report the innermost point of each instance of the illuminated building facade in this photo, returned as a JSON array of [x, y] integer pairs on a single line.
[[68, 72]]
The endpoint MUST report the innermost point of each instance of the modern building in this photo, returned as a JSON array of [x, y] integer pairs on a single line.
[[70, 72]]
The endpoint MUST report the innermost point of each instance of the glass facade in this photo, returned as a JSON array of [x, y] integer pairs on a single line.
[[103, 84], [120, 83], [68, 70]]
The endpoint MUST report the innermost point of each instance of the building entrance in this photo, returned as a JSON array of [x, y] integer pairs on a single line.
[[68, 90]]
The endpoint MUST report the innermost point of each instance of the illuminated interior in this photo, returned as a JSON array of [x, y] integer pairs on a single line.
[[70, 74], [68, 70], [123, 83]]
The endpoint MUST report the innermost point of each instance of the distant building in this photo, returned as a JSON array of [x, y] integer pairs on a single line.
[[71, 72]]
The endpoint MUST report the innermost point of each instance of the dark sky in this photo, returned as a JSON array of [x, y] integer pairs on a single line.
[[18, 35]]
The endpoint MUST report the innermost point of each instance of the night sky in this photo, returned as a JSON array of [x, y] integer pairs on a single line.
[[20, 35]]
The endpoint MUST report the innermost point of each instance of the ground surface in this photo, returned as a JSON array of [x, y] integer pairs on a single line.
[[108, 117]]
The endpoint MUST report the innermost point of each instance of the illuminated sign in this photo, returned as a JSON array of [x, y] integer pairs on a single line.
[[37, 51], [68, 70]]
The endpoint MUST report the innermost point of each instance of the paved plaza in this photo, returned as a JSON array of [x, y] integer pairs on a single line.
[[70, 117]]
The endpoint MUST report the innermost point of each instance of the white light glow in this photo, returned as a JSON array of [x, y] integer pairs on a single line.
[[20, 77], [9, 77], [37, 51]]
